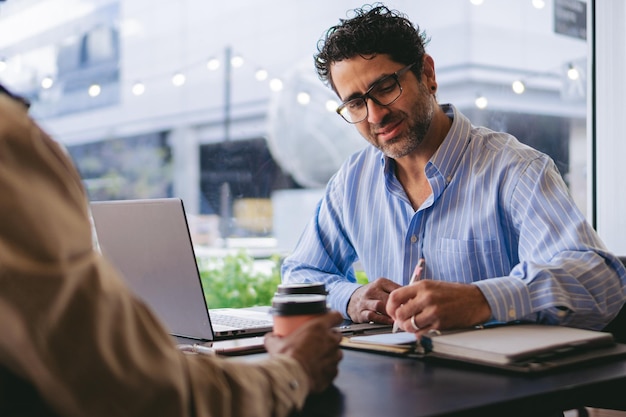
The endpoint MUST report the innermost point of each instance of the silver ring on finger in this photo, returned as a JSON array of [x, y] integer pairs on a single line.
[[413, 324]]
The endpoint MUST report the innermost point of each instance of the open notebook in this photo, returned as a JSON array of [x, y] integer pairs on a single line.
[[149, 243], [518, 347]]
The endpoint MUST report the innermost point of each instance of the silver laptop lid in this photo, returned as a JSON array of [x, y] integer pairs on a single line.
[[149, 243]]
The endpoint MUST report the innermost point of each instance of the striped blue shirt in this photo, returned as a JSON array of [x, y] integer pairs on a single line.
[[500, 217]]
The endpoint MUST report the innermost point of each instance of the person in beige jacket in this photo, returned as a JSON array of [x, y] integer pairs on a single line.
[[75, 342]]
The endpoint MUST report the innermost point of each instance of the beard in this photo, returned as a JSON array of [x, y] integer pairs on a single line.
[[418, 124]]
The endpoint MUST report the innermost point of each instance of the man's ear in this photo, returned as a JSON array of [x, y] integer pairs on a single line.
[[428, 73]]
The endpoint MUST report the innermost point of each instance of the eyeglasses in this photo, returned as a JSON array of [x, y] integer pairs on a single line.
[[383, 92]]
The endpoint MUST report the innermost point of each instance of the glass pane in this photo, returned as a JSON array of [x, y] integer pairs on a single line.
[[219, 103]]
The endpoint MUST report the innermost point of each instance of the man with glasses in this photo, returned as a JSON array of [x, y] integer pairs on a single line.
[[490, 218]]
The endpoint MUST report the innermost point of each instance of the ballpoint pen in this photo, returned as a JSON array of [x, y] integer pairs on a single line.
[[417, 273]]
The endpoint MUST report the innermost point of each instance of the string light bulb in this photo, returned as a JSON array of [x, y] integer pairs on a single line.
[[261, 74], [213, 64], [47, 82], [303, 98], [178, 79], [518, 87], [539, 4], [572, 72], [138, 88], [331, 105], [276, 84], [236, 61], [481, 102], [94, 90]]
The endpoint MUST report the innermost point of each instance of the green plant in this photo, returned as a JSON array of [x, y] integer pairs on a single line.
[[361, 278], [232, 281]]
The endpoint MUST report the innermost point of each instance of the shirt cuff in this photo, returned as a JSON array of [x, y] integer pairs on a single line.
[[508, 298], [339, 295]]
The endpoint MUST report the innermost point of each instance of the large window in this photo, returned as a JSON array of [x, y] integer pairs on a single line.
[[219, 104]]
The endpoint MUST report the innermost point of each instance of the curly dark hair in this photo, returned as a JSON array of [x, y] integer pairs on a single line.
[[373, 29]]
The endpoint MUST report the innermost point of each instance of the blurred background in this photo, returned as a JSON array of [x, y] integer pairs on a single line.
[[218, 102]]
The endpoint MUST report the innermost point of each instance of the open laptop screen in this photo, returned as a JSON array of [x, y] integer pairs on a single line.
[[148, 242]]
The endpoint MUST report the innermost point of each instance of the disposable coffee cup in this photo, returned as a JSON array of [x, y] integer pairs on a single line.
[[293, 310], [302, 288]]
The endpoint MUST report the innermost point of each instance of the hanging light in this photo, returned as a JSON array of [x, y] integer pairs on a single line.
[[518, 87], [276, 84], [303, 98], [47, 82], [572, 72], [236, 61], [94, 90], [178, 79], [331, 105], [539, 4], [261, 74], [481, 102], [138, 88], [213, 64]]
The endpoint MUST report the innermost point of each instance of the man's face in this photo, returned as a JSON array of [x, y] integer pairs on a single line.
[[396, 129]]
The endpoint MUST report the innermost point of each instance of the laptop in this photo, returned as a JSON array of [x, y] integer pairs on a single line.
[[148, 241]]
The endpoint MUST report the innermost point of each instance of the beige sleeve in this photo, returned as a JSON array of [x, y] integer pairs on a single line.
[[72, 330]]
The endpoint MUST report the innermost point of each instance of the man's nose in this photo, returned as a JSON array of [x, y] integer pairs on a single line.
[[375, 112]]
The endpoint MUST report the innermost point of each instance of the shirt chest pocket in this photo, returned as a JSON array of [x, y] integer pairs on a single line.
[[468, 260]]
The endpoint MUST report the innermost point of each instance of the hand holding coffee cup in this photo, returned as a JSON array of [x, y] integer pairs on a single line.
[[291, 311], [304, 328]]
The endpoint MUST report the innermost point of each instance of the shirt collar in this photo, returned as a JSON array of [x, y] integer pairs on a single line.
[[447, 158]]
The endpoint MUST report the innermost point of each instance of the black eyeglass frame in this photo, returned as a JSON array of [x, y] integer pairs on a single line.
[[367, 95]]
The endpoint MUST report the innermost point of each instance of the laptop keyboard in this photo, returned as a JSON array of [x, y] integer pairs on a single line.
[[237, 322]]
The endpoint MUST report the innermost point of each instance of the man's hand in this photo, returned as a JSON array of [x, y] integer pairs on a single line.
[[429, 304], [315, 345], [368, 302]]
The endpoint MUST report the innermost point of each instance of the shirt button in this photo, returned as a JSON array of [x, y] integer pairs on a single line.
[[512, 313], [413, 239]]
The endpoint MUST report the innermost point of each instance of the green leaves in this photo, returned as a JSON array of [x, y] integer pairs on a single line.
[[361, 278], [238, 281]]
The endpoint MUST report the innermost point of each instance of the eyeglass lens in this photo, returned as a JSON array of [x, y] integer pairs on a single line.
[[383, 93]]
